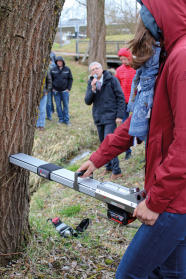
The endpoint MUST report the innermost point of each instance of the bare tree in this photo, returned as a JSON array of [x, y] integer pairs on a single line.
[[88, 8], [85, 4], [89, 21], [27, 33], [123, 15], [98, 31]]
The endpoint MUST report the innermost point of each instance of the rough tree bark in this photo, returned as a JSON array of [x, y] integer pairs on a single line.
[[26, 34], [98, 31]]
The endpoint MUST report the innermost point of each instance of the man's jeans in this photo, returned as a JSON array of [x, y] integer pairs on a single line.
[[126, 115], [49, 105], [157, 251], [103, 131], [41, 113], [63, 114]]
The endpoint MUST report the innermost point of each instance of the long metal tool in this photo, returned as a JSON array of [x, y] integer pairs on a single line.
[[121, 201]]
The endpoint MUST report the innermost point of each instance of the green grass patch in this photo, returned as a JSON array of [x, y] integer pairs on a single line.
[[73, 167], [70, 210], [71, 48]]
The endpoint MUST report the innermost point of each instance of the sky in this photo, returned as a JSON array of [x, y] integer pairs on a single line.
[[70, 9], [69, 3]]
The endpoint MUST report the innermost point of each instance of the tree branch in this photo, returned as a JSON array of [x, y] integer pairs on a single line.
[[79, 2]]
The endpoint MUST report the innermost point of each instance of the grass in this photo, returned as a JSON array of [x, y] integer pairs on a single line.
[[71, 48], [70, 210], [98, 253]]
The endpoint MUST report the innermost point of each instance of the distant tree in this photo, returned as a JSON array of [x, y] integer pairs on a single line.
[[84, 3], [97, 52], [27, 33], [88, 20], [123, 15]]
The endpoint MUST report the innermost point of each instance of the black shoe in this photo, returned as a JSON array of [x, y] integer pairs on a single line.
[[128, 155], [142, 161]]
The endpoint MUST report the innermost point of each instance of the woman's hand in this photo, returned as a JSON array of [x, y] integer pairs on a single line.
[[118, 121], [144, 214], [93, 84], [89, 166]]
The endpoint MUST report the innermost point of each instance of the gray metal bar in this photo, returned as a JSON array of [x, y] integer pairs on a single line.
[[108, 192]]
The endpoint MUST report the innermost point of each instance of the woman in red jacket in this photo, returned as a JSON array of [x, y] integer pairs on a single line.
[[125, 74], [158, 250]]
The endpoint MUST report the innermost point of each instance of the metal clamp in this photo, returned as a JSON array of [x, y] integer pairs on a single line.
[[76, 175]]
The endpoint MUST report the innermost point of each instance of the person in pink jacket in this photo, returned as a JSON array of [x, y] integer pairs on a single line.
[[125, 74], [158, 250]]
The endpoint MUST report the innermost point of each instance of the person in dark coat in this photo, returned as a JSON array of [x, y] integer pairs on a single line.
[[105, 92], [61, 82]]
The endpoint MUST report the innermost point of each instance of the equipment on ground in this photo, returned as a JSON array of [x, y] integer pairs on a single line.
[[121, 201], [66, 231]]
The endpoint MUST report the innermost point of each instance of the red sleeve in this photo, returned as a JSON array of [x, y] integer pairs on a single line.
[[171, 174], [113, 145]]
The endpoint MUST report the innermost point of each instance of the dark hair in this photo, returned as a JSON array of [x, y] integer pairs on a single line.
[[141, 45]]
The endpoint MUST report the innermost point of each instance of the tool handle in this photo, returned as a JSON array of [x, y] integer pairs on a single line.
[[80, 173]]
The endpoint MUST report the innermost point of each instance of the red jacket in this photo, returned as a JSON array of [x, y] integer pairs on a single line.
[[165, 179], [125, 75]]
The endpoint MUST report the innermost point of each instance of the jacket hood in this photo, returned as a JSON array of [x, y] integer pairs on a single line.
[[106, 74], [170, 16], [60, 58]]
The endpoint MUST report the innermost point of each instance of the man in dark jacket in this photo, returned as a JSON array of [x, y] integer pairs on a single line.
[[105, 92], [62, 82]]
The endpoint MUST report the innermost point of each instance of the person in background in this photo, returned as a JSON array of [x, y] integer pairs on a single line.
[[105, 93], [42, 106], [62, 82], [50, 95], [53, 57], [125, 74]]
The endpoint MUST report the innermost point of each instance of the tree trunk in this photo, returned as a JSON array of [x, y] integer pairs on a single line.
[[98, 32], [27, 32]]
